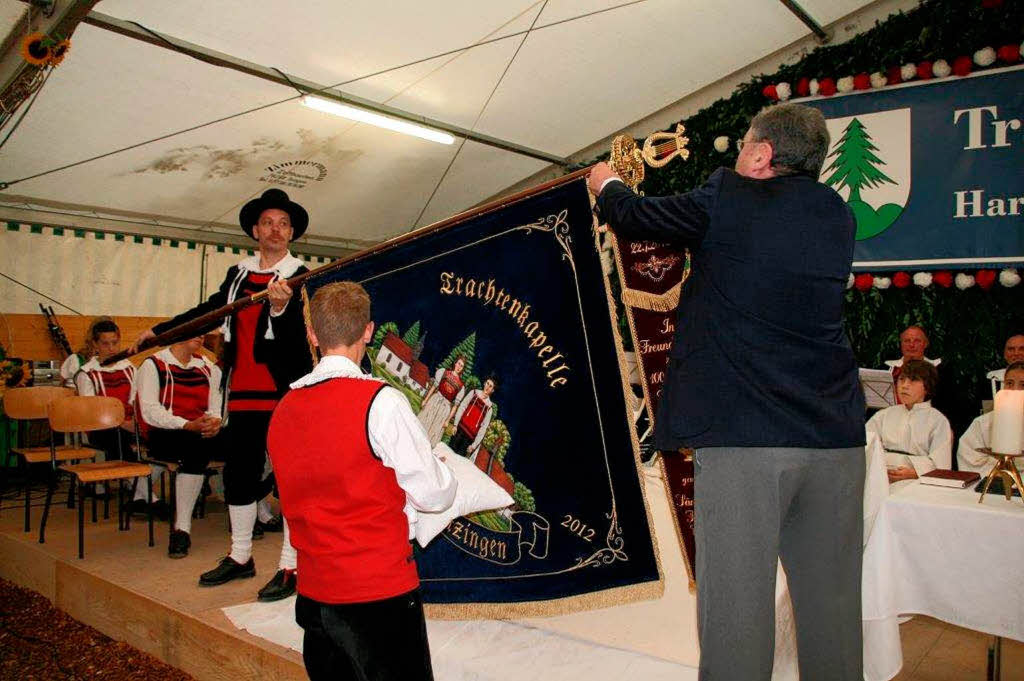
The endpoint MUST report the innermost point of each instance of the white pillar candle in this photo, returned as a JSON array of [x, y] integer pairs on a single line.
[[1008, 422]]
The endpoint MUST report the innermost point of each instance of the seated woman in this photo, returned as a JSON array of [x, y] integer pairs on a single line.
[[976, 437], [914, 428], [180, 399]]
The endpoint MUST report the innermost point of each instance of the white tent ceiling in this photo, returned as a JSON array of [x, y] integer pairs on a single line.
[[575, 80]]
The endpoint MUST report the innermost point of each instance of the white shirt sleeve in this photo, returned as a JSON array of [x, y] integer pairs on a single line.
[[974, 438], [605, 183], [84, 384], [155, 414], [69, 368], [942, 442], [216, 404], [400, 441], [874, 424]]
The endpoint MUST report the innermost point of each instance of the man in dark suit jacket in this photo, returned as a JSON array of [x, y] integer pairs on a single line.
[[762, 382]]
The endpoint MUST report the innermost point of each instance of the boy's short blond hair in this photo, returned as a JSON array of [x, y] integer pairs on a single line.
[[339, 313]]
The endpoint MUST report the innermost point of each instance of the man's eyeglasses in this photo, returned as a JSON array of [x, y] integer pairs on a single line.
[[742, 143]]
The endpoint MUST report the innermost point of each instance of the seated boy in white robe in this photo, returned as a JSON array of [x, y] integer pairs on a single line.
[[916, 436], [968, 455]]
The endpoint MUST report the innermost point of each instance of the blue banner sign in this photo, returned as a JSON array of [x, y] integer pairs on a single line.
[[933, 171]]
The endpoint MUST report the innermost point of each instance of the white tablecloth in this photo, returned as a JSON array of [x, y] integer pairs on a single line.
[[936, 551]]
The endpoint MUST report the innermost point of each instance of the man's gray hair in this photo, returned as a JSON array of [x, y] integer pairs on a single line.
[[798, 137]]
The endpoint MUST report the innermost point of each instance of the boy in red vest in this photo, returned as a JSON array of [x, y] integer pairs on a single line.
[[353, 467], [179, 400], [116, 380]]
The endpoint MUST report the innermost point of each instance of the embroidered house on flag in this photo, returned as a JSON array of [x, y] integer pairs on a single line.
[[395, 356], [399, 360], [419, 375]]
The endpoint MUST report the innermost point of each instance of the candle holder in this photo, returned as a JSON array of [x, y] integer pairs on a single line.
[[1007, 470]]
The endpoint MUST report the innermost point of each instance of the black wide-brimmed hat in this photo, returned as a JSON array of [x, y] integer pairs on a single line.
[[274, 198]]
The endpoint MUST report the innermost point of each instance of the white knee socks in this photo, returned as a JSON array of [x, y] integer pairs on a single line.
[[186, 490], [287, 561], [242, 520]]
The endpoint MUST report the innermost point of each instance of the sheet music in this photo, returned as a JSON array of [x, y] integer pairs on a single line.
[[879, 391]]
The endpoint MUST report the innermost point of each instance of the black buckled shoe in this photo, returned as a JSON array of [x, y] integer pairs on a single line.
[[226, 571], [178, 545], [281, 585], [257, 531]]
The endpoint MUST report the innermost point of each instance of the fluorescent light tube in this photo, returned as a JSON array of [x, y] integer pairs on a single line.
[[363, 116]]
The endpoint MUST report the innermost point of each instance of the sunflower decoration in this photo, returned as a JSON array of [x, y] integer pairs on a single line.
[[60, 50], [37, 49]]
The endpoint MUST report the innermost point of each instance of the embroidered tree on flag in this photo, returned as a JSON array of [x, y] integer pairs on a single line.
[[412, 336], [383, 330], [467, 349], [855, 165]]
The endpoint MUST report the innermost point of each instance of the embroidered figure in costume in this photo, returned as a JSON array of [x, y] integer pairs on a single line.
[[445, 392], [472, 419]]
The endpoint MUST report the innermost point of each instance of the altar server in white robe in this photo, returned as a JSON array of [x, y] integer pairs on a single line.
[[977, 437], [913, 432]]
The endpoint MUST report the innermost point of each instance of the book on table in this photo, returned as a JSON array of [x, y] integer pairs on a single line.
[[946, 478]]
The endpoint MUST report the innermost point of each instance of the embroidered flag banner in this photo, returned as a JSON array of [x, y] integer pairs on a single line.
[[932, 170], [498, 328], [652, 275]]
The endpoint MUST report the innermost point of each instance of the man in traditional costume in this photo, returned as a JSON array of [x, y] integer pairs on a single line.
[[116, 380], [353, 466], [179, 399], [472, 419], [439, 403], [969, 456], [762, 381], [264, 350]]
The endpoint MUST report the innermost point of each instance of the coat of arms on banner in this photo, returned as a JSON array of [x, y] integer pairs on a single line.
[[869, 165], [498, 329]]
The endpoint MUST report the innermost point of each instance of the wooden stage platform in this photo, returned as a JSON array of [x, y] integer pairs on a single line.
[[136, 594]]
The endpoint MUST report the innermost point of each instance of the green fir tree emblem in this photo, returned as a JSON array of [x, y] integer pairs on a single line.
[[857, 167]]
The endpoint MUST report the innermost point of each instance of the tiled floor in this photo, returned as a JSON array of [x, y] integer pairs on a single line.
[[936, 651]]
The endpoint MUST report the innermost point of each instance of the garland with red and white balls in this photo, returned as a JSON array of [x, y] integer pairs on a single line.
[[986, 57], [894, 75], [983, 279]]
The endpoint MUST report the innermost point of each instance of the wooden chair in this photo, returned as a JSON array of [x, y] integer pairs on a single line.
[[28, 404], [87, 414]]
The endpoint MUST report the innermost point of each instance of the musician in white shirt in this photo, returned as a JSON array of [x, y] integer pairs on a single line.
[[914, 428], [975, 438]]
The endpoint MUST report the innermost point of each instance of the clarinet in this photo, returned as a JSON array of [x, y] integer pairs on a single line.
[[56, 332]]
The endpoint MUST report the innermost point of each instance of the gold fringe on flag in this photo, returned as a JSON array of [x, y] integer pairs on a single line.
[[655, 302]]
